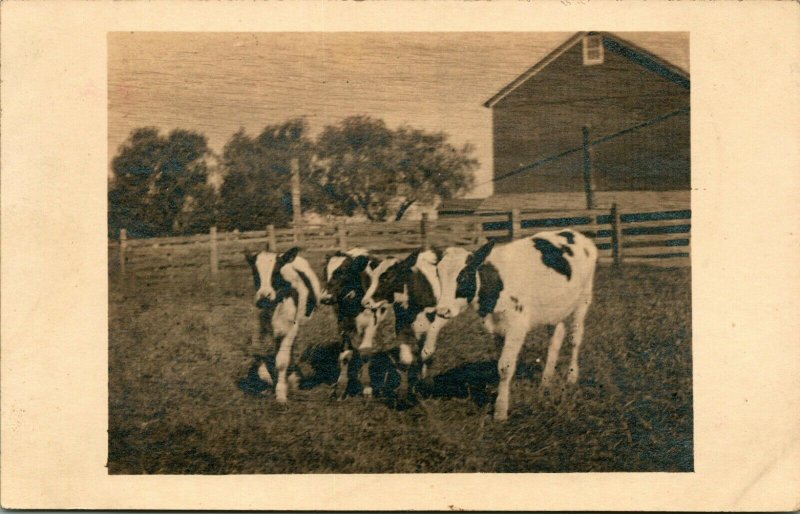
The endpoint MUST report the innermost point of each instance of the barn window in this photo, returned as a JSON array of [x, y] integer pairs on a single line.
[[593, 50]]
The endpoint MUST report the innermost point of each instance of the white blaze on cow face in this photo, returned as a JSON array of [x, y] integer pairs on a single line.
[[450, 266], [374, 279], [265, 266], [333, 264]]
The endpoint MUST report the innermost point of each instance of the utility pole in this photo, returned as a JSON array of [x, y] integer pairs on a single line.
[[297, 215], [587, 169]]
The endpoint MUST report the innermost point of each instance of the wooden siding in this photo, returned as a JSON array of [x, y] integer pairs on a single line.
[[544, 116]]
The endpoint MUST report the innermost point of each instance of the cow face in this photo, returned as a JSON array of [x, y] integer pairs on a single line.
[[266, 274], [345, 276], [388, 281], [458, 276]]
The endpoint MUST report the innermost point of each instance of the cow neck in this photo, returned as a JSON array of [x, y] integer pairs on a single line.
[[420, 298], [428, 270]]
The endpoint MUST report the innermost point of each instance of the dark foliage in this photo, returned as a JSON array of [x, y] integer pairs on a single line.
[[159, 185]]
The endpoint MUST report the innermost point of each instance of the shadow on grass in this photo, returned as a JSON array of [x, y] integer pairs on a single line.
[[473, 380]]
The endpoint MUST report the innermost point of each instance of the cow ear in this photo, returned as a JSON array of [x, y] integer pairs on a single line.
[[438, 252], [360, 263], [409, 261], [250, 258], [288, 256], [480, 255]]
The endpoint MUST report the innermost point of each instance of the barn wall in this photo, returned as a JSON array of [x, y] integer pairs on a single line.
[[544, 116]]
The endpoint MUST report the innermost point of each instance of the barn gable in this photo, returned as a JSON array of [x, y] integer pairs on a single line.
[[607, 89], [611, 43]]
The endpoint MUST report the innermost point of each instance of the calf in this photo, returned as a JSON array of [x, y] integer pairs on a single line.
[[411, 286], [287, 292], [543, 279], [346, 282]]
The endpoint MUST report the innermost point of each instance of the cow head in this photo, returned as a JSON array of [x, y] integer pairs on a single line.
[[388, 280], [266, 268], [458, 276], [345, 276]]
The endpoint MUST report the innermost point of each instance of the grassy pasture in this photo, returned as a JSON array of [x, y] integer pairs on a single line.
[[183, 399]]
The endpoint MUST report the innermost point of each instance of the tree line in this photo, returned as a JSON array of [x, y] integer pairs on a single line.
[[358, 167]]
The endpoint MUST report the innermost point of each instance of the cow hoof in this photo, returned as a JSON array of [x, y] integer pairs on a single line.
[[572, 377], [367, 392], [500, 416], [294, 381], [280, 393]]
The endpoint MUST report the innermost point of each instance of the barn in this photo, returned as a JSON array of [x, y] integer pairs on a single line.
[[601, 98]]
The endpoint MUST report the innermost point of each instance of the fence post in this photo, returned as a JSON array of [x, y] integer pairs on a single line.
[[123, 245], [516, 224], [297, 216], [478, 232], [272, 242], [212, 234], [424, 231], [587, 170], [616, 236], [341, 236]]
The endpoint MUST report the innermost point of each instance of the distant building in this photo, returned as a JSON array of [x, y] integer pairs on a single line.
[[603, 82]]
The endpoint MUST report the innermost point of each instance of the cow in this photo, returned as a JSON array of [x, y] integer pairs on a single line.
[[346, 282], [539, 280], [412, 288], [287, 293]]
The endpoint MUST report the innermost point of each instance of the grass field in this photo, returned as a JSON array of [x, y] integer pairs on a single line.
[[182, 398]]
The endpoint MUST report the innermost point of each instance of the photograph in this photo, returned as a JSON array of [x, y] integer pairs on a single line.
[[399, 256], [396, 252]]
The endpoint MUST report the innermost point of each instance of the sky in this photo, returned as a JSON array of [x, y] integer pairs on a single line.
[[216, 83]]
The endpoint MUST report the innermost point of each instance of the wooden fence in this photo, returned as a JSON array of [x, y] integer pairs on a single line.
[[620, 237]]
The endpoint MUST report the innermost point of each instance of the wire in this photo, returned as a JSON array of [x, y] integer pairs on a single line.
[[604, 139]]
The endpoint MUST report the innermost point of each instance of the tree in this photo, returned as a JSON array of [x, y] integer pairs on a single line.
[[429, 167], [366, 167], [257, 172], [153, 177]]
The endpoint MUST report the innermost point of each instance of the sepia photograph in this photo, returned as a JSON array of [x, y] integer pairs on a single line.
[[395, 256], [393, 252]]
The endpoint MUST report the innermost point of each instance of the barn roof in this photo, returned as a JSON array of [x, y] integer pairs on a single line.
[[625, 48]]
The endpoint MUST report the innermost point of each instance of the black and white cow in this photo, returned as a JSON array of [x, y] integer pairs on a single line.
[[287, 293], [411, 286], [540, 280], [346, 282]]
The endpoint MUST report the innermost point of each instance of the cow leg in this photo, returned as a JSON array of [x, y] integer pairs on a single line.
[[577, 339], [553, 352], [506, 367], [284, 323], [429, 347], [261, 327], [405, 358], [345, 357], [366, 330], [364, 376]]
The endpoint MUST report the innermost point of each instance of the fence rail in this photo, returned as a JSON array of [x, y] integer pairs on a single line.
[[619, 236]]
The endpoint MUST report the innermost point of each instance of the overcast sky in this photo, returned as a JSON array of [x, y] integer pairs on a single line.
[[218, 82]]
